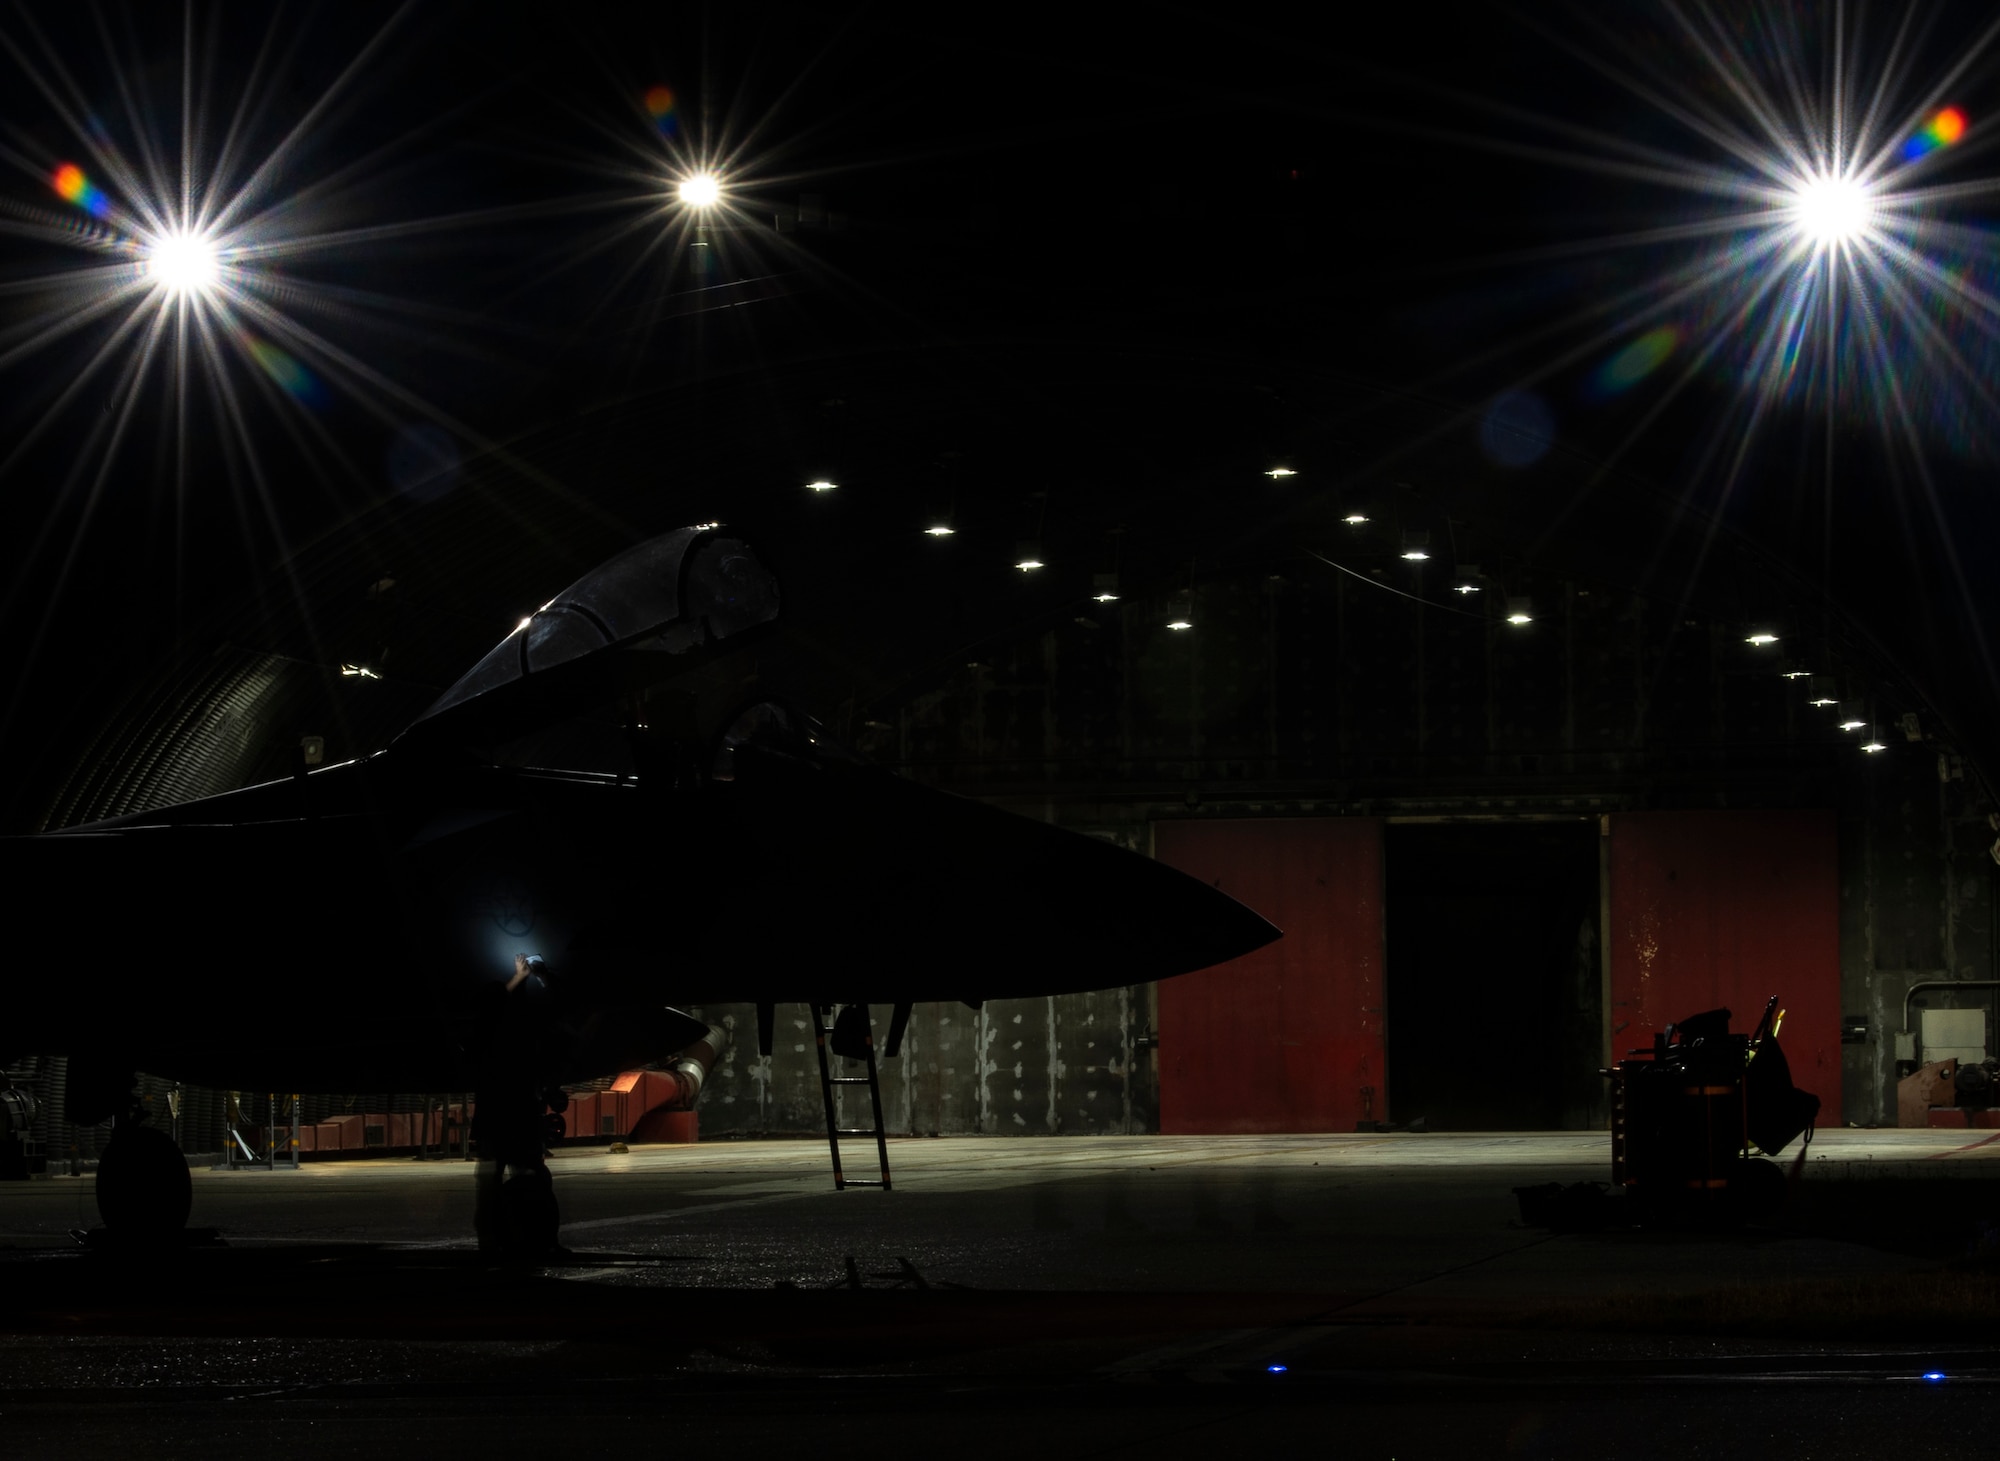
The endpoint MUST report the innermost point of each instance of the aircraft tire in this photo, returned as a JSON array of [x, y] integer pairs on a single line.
[[144, 1189]]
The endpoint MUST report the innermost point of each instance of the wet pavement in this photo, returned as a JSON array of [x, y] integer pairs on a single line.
[[1083, 1296]]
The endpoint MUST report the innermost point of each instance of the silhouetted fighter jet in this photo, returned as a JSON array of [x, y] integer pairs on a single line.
[[748, 857]]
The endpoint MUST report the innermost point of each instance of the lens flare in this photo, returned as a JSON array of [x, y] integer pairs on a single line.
[[283, 368], [78, 189], [1940, 131], [661, 107], [1635, 362]]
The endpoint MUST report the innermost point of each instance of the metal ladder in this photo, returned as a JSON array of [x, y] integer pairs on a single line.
[[822, 1032]]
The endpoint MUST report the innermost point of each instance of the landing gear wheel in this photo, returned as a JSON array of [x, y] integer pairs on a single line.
[[529, 1217], [143, 1186]]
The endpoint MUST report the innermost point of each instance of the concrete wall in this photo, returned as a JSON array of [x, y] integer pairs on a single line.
[[1019, 1067]]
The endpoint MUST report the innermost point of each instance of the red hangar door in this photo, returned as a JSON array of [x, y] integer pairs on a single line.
[[1290, 1037], [1716, 909]]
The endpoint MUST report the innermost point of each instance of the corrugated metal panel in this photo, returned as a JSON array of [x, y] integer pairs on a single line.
[[1713, 909], [1289, 1038]]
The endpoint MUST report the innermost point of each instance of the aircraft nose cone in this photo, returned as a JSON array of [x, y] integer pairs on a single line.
[[871, 869]]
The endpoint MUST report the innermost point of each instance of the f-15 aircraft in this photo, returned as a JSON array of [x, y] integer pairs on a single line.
[[749, 857]]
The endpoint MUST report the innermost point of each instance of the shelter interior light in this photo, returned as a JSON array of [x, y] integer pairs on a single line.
[[184, 263], [940, 530], [1417, 555], [1822, 701], [1105, 598], [1281, 472], [700, 191], [1355, 519], [820, 486], [1519, 611], [1465, 588], [1853, 725], [1761, 637], [1180, 624], [1832, 210], [1874, 745]]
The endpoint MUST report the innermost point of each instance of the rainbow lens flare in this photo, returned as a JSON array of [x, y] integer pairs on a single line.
[[660, 105], [1940, 131], [80, 190], [1635, 362], [292, 377]]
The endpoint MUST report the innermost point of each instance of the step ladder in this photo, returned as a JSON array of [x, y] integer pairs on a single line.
[[822, 1033]]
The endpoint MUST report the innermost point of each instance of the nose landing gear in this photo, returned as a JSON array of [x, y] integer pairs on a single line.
[[144, 1189]]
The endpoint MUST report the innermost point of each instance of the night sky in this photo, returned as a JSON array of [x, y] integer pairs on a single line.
[[1081, 279]]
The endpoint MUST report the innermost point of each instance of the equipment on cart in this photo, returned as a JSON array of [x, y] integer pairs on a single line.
[[1687, 1114]]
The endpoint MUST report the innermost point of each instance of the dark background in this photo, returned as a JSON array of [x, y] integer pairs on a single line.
[[1080, 280]]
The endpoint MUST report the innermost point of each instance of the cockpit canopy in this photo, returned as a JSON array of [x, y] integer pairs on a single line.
[[675, 595]]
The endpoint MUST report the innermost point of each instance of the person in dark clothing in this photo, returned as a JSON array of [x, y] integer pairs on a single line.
[[514, 1208]]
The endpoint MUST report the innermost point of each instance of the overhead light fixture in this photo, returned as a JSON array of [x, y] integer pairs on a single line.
[[1874, 743], [1831, 209], [183, 262], [702, 190], [1761, 637], [364, 672], [1853, 725], [940, 530], [1280, 472], [1107, 588], [1416, 547], [1355, 519], [1028, 557], [1180, 624], [1822, 701], [1465, 588], [1520, 611], [822, 485]]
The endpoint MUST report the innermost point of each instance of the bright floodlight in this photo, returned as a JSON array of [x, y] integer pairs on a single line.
[[183, 263], [1832, 210], [700, 191]]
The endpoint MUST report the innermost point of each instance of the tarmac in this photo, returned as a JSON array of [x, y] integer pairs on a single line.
[[1083, 1296]]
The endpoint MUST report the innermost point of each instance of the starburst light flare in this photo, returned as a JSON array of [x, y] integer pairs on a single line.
[[183, 262], [1832, 211]]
